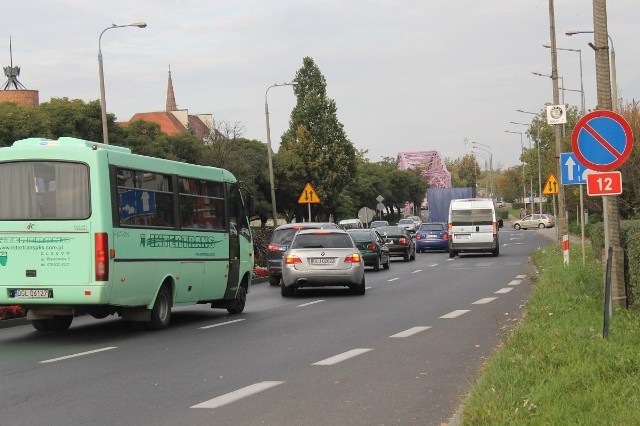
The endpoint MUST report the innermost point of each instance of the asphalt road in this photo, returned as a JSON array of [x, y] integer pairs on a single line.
[[404, 353]]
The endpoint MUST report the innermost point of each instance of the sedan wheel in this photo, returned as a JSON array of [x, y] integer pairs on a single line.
[[541, 226], [376, 267], [516, 226]]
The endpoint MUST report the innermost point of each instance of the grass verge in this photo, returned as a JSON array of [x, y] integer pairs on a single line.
[[556, 368]]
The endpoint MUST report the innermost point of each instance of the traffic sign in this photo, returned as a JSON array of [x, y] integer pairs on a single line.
[[309, 195], [573, 172], [602, 140], [551, 187], [556, 114], [607, 183]]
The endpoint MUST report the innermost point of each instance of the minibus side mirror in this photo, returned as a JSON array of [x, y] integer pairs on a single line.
[[500, 223]]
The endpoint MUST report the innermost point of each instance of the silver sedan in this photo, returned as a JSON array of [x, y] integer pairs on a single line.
[[322, 258]]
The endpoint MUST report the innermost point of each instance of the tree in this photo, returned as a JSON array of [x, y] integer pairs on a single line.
[[20, 122], [318, 139], [465, 171]]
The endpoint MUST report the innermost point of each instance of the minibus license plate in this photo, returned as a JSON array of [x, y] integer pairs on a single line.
[[31, 293], [463, 236]]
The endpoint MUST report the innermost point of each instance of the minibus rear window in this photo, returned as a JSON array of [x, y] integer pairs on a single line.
[[472, 217]]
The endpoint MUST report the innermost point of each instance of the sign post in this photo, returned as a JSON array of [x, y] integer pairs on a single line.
[[309, 196]]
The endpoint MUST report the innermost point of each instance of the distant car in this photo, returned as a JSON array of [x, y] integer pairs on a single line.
[[351, 224], [378, 223], [540, 221], [321, 258], [372, 247], [500, 204], [416, 220], [280, 240], [432, 236], [399, 242], [408, 224]]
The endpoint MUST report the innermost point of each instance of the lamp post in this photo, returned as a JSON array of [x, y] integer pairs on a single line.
[[579, 51], [270, 155], [487, 149], [538, 146], [614, 83], [524, 182], [103, 102], [476, 153]]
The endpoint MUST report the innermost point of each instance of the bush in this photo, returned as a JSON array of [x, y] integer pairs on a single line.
[[10, 312]]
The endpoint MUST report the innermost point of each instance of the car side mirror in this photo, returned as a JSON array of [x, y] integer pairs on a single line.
[[500, 223]]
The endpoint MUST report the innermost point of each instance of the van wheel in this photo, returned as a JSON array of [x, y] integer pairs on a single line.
[[495, 252], [161, 312], [238, 304], [452, 253]]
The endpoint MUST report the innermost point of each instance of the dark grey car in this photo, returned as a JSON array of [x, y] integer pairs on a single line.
[[280, 241]]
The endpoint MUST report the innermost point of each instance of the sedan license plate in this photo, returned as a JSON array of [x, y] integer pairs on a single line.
[[31, 293], [463, 236], [323, 260], [432, 237]]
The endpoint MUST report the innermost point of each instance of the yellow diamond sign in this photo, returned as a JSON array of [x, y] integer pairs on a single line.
[[551, 187]]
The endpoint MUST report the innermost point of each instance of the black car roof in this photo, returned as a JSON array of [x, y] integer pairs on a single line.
[[304, 225]]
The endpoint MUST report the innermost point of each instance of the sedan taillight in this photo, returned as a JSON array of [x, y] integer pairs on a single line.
[[352, 258], [371, 247], [292, 260], [402, 241], [445, 236], [273, 248], [418, 236]]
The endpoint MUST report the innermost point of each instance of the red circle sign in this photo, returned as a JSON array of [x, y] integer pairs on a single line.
[[602, 140]]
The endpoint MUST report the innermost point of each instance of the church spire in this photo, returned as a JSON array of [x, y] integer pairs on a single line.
[[171, 99]]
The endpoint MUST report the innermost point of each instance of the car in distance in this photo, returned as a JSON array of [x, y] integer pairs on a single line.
[[321, 258], [399, 242], [432, 236], [539, 221], [408, 224], [372, 247], [279, 243], [378, 223], [473, 226]]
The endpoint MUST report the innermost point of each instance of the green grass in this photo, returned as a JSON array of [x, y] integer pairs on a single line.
[[556, 368]]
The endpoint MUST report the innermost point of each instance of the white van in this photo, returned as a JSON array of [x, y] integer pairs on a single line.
[[473, 226], [351, 224]]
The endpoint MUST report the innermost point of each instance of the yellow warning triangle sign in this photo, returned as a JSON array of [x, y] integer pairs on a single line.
[[309, 195], [551, 187]]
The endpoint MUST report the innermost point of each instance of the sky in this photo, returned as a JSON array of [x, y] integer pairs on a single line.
[[406, 75]]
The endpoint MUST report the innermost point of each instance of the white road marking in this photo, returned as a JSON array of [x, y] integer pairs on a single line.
[[515, 282], [516, 238], [521, 276], [393, 279], [484, 300], [411, 331], [484, 264], [504, 290], [455, 314], [237, 395], [433, 265], [342, 357], [311, 303], [367, 288], [416, 271], [218, 325], [78, 354]]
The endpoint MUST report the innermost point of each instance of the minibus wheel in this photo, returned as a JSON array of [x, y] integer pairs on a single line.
[[161, 312]]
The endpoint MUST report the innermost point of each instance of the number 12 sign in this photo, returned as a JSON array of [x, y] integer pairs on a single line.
[[608, 183]]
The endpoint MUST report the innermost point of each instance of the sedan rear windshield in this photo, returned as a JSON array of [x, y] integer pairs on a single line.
[[432, 227], [322, 241], [359, 236]]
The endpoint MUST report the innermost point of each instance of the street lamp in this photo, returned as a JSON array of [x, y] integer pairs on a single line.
[[614, 83], [538, 146], [103, 102], [524, 182], [482, 154], [269, 154], [487, 149], [579, 51]]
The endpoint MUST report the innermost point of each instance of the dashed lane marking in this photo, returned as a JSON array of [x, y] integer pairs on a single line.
[[237, 395], [411, 331], [455, 314], [311, 303], [416, 271], [521, 276], [515, 282], [62, 358], [504, 290], [220, 324], [393, 279], [485, 300], [342, 357]]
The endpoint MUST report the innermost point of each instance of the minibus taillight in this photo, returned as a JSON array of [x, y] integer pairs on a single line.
[[102, 256]]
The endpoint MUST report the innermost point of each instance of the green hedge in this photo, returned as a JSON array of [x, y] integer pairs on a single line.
[[630, 242]]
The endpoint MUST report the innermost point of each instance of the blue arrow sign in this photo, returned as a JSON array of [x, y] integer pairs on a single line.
[[573, 171]]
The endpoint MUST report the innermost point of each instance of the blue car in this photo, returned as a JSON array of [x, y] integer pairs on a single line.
[[432, 236]]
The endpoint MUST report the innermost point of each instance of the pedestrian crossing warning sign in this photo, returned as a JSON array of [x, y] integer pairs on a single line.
[[551, 187], [309, 195]]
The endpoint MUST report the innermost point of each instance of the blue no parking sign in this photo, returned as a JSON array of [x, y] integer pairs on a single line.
[[602, 140]]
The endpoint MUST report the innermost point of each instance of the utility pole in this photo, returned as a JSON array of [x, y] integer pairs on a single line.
[[561, 220], [609, 202]]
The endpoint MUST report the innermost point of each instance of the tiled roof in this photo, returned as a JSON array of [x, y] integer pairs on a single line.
[[167, 122]]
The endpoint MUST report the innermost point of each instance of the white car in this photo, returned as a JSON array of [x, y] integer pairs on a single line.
[[408, 223]]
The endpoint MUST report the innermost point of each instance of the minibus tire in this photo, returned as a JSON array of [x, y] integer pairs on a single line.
[[40, 325], [161, 312], [238, 303], [60, 322]]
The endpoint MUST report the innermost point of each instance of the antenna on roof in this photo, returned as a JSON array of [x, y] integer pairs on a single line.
[[12, 73]]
